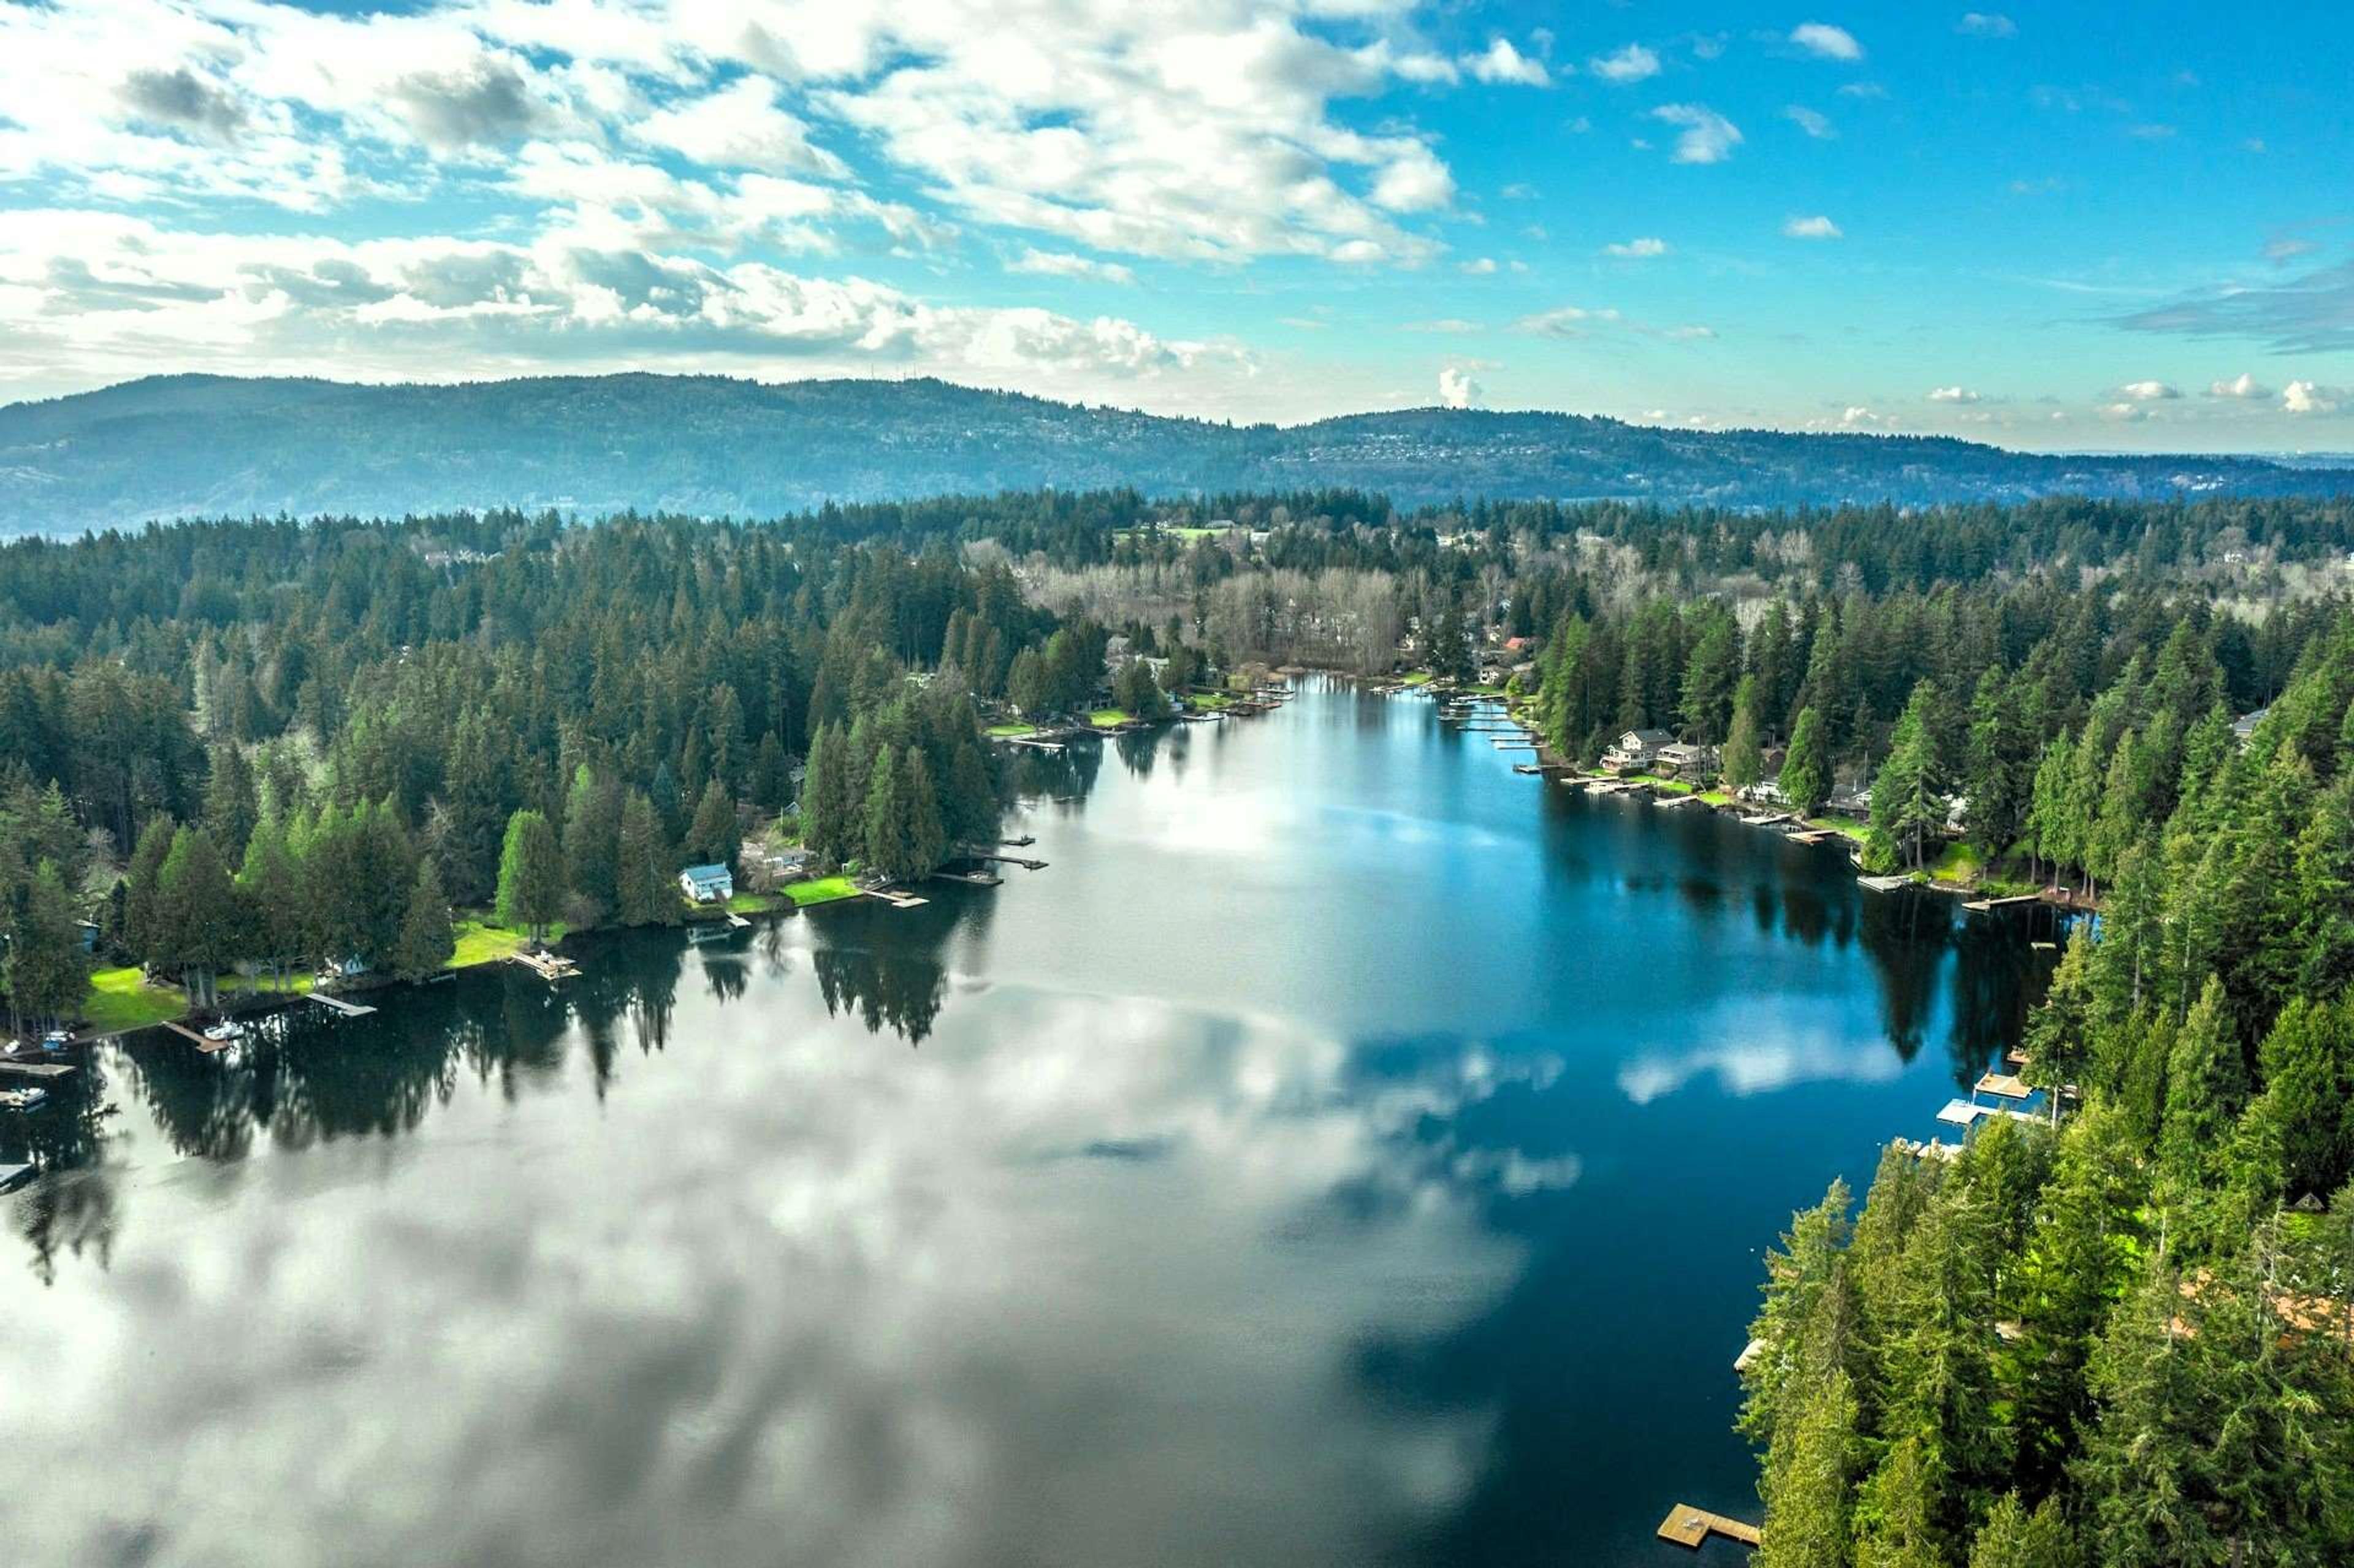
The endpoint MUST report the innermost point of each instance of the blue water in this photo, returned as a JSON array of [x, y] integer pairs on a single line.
[[1347, 1151]]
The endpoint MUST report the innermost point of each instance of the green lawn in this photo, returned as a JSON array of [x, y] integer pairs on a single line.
[[1418, 678], [1109, 718], [1002, 730], [479, 942], [1845, 827], [1203, 698], [820, 890], [118, 1000], [264, 985]]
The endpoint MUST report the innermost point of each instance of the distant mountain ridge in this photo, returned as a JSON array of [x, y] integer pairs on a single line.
[[178, 446]]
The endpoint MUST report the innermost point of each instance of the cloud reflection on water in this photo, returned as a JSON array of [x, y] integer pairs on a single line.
[[794, 1298]]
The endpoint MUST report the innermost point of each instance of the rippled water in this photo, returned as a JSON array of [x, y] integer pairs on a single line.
[[1346, 1152]]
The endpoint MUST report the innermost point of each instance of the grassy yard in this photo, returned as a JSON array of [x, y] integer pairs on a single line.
[[1845, 827], [1203, 700], [820, 890], [1109, 718], [1005, 731], [479, 942], [119, 1000], [1416, 678], [264, 985]]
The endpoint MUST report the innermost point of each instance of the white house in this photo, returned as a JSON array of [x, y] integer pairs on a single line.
[[708, 883]]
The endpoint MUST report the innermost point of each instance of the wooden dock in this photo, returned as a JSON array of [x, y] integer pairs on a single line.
[[1884, 884], [1968, 1113], [209, 1047], [1986, 905], [1688, 1526], [970, 878], [546, 965], [1024, 841], [348, 1009], [894, 898], [37, 1069], [2001, 1084], [1003, 859]]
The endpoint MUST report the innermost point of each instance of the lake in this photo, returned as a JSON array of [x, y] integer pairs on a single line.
[[1345, 1151]]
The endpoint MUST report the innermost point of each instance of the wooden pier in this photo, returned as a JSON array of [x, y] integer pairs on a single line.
[[1688, 1526], [2003, 1085], [1003, 859], [894, 898], [970, 878], [1986, 906], [546, 965], [209, 1047], [37, 1069], [1884, 884], [336, 1004], [1024, 841]]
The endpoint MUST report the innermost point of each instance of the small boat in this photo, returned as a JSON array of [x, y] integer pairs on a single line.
[[22, 1099], [226, 1031], [56, 1040]]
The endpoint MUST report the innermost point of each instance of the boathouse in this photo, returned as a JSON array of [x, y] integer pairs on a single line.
[[1638, 748]]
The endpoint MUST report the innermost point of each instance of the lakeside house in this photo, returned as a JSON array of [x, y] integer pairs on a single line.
[[1635, 749], [1685, 760], [708, 883], [2243, 728], [1850, 793]]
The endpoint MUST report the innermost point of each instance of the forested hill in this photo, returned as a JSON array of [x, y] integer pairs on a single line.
[[182, 446]]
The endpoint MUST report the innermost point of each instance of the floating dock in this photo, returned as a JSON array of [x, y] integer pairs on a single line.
[[336, 1004], [970, 878], [1965, 1113], [1690, 1526], [1005, 860], [897, 899], [37, 1069], [1884, 884]]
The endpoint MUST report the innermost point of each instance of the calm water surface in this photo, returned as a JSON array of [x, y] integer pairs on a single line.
[[1347, 1151]]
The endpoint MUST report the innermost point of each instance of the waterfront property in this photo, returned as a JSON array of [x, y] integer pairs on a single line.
[[708, 883]]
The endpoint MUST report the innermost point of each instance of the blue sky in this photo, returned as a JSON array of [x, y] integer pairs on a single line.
[[2074, 227]]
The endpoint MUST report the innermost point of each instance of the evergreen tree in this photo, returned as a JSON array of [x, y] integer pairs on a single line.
[[140, 884], [1744, 752], [1806, 766], [196, 915], [231, 804], [45, 971], [2206, 1082], [592, 829], [531, 876], [713, 838], [647, 894], [925, 835], [426, 941], [890, 848]]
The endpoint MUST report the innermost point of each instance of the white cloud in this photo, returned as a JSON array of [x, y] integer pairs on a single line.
[[1638, 249], [1633, 63], [1815, 228], [411, 306], [739, 127], [2148, 392], [1062, 264], [1953, 394], [1479, 266], [1827, 42], [1455, 325], [1812, 121], [1504, 64], [1567, 320], [2305, 398], [1456, 389], [1987, 24], [2242, 385], [1707, 136]]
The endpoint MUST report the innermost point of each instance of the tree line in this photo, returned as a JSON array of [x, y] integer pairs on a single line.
[[2128, 1339]]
